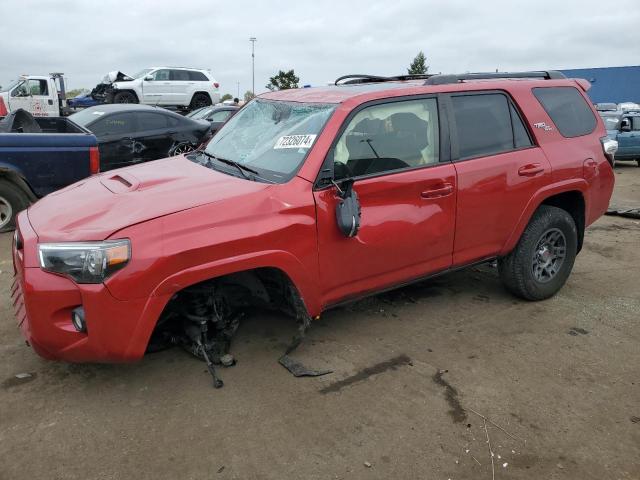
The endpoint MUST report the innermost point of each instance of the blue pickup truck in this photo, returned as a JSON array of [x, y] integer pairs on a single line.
[[39, 156], [625, 129]]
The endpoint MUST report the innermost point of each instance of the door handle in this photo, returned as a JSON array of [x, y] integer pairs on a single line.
[[530, 170], [441, 190]]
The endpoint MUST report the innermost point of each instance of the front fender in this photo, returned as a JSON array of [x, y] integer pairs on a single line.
[[575, 184]]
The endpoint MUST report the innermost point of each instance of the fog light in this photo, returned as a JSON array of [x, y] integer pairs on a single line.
[[77, 318]]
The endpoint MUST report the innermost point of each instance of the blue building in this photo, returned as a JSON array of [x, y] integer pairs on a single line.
[[610, 84]]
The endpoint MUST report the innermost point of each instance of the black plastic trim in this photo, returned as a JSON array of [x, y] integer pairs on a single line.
[[456, 78]]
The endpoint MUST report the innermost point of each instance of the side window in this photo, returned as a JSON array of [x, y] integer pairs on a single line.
[[568, 110], [483, 124], [521, 138], [388, 137], [220, 116], [150, 121], [197, 76], [114, 125], [180, 75], [38, 87], [635, 123], [161, 75]]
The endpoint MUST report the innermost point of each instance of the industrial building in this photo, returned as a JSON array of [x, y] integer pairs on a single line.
[[610, 84]]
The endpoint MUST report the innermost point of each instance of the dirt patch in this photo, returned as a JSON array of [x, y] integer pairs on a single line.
[[365, 373]]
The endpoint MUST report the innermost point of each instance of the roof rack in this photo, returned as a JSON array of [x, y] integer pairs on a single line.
[[364, 78], [455, 78]]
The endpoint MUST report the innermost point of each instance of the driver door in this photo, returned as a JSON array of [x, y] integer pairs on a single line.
[[158, 90], [407, 195]]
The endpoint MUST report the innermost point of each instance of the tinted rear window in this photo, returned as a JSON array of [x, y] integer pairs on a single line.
[[180, 75], [568, 110]]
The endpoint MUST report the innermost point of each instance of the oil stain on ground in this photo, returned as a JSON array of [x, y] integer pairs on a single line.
[[391, 364], [451, 395], [575, 331]]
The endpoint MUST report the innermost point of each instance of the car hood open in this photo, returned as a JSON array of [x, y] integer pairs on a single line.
[[97, 207]]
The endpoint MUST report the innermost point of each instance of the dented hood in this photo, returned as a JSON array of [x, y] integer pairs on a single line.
[[116, 76], [97, 207]]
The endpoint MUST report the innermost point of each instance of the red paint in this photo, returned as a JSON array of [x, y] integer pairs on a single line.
[[188, 223]]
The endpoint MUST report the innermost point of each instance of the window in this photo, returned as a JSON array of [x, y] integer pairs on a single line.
[[635, 123], [180, 75], [161, 75], [150, 121], [484, 125], [220, 116], [197, 76], [387, 137], [20, 90], [568, 110], [38, 87], [114, 124]]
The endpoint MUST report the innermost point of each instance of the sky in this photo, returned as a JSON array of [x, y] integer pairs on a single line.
[[320, 40]]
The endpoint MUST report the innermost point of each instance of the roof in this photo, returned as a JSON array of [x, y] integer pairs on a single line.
[[126, 107], [336, 94]]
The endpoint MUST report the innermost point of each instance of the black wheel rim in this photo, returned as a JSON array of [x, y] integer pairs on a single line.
[[201, 103], [549, 255]]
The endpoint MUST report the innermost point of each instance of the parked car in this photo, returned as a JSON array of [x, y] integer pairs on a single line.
[[40, 95], [129, 134], [628, 137], [308, 198], [84, 100], [215, 115], [181, 87], [39, 155]]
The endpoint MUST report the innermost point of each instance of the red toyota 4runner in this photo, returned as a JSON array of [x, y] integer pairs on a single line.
[[311, 197]]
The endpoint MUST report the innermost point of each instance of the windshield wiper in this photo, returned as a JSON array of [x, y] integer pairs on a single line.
[[241, 168]]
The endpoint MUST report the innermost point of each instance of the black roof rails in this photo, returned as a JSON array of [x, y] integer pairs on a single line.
[[364, 78], [455, 78]]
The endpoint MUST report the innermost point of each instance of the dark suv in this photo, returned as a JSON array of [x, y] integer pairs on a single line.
[[311, 197]]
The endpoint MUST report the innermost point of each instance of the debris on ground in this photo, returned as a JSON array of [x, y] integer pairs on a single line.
[[367, 464], [628, 212], [299, 370]]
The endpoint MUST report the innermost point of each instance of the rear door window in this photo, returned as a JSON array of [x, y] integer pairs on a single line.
[[150, 121], [180, 75], [487, 124], [568, 109]]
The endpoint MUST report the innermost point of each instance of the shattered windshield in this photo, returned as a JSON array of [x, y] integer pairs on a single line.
[[271, 137]]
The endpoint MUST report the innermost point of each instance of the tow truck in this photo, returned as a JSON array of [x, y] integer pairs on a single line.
[[40, 95]]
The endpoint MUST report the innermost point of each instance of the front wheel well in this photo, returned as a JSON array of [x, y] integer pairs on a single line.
[[222, 300], [573, 203]]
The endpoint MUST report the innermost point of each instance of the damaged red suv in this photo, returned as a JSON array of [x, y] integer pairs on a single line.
[[312, 197]]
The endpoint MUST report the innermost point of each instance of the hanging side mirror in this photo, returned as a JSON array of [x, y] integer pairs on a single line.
[[625, 125], [348, 208]]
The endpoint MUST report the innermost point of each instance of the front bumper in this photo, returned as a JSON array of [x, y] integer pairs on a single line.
[[117, 331]]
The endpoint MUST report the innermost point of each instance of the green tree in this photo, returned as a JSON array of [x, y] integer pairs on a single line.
[[76, 91], [248, 96], [418, 66], [283, 81], [226, 96]]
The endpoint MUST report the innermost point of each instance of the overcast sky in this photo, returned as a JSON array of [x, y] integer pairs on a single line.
[[321, 40]]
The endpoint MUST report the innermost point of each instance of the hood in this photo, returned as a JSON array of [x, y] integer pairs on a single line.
[[97, 207], [116, 76]]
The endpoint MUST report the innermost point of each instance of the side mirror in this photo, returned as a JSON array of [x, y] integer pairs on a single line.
[[348, 209], [625, 125], [148, 78]]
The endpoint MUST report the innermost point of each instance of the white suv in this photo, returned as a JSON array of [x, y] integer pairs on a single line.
[[175, 86]]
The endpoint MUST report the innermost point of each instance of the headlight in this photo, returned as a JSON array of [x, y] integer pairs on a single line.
[[85, 262]]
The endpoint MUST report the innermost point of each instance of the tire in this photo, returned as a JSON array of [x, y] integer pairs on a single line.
[[534, 269], [124, 97], [12, 201], [199, 100], [638, 162]]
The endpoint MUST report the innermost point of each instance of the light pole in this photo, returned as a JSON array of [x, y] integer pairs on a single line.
[[238, 96], [253, 64]]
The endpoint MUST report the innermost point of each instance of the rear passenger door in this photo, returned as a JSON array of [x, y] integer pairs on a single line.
[[180, 84], [153, 138], [499, 169]]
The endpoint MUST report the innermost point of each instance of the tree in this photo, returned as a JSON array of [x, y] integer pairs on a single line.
[[248, 96], [283, 81], [226, 96], [418, 66], [76, 91]]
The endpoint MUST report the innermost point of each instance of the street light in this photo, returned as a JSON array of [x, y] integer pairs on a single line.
[[253, 64]]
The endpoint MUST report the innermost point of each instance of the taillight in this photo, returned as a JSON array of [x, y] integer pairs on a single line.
[[94, 160], [610, 147], [3, 108], [216, 84]]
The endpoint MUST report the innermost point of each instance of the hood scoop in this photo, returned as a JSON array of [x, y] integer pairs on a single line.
[[120, 183]]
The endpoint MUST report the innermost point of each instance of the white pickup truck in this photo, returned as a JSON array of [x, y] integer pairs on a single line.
[[41, 96]]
